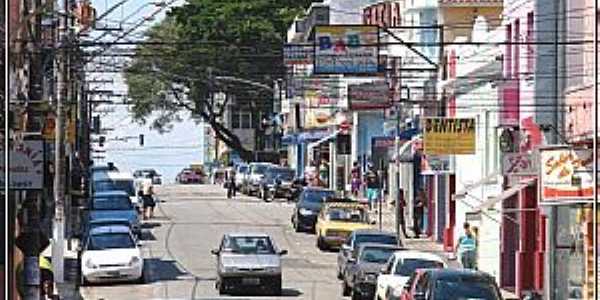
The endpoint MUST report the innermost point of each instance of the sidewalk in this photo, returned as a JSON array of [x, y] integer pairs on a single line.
[[422, 244], [69, 289]]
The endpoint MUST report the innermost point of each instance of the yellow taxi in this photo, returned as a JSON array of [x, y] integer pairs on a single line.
[[337, 220]]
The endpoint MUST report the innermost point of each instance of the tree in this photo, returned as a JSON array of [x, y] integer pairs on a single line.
[[208, 46]]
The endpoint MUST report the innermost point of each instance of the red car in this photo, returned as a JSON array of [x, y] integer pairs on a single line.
[[189, 176], [444, 284]]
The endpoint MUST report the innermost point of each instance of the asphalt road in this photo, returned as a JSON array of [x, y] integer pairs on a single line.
[[190, 221]]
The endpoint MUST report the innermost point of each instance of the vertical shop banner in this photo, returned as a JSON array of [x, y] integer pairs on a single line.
[[566, 175], [369, 96], [449, 136], [321, 96], [298, 54], [25, 166], [346, 49]]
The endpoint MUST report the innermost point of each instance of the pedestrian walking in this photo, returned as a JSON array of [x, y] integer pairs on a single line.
[[467, 248], [402, 204], [372, 187], [148, 201], [418, 212], [231, 184], [355, 179]]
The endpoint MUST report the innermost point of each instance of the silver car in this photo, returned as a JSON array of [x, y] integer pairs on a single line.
[[248, 261]]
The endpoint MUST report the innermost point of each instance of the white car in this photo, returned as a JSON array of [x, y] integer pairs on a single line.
[[400, 267], [110, 253]]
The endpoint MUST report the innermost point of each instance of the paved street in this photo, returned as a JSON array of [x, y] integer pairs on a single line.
[[190, 221]]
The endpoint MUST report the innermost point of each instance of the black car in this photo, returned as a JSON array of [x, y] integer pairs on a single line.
[[276, 183], [350, 248], [308, 206]]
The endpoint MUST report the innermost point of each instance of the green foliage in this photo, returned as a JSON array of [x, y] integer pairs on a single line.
[[241, 39]]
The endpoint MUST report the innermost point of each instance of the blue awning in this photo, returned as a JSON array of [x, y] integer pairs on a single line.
[[289, 139]]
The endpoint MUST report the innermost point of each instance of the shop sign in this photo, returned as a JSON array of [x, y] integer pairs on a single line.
[[297, 54], [519, 164], [367, 96], [346, 49], [26, 166], [566, 175], [449, 136]]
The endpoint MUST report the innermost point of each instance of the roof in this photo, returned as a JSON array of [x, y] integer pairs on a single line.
[[101, 176], [248, 234], [378, 245], [371, 231], [418, 255], [111, 194], [453, 272], [110, 229], [108, 220]]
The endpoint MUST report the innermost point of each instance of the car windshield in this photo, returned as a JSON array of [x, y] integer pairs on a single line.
[[465, 288], [375, 238], [317, 196], [112, 203], [282, 174], [249, 245], [259, 169], [347, 214], [115, 185], [111, 241], [409, 265], [243, 169], [376, 255]]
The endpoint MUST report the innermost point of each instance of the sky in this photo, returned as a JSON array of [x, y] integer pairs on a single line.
[[167, 153]]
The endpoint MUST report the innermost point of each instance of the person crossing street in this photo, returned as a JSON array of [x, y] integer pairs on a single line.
[[467, 248]]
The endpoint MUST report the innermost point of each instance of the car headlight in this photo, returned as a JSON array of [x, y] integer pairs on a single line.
[[134, 261], [90, 264], [305, 212], [272, 269]]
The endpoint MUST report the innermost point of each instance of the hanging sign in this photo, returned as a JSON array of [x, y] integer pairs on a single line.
[[566, 175], [369, 96], [298, 54], [449, 136], [346, 49], [26, 166]]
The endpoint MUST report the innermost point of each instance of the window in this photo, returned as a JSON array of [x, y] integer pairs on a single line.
[[530, 45], [241, 119], [575, 51], [516, 49]]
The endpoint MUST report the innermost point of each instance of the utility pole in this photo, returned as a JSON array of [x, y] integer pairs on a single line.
[[58, 242], [31, 248]]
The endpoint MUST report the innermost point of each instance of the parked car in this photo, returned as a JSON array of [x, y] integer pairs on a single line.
[[114, 205], [397, 271], [442, 284], [91, 224], [241, 171], [336, 221], [246, 260], [188, 176], [110, 253], [276, 183], [256, 173], [116, 181], [148, 173], [360, 277], [306, 210], [350, 247]]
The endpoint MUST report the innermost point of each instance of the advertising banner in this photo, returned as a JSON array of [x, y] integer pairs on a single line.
[[297, 54], [566, 175], [519, 164], [26, 166], [346, 49], [368, 96], [449, 136]]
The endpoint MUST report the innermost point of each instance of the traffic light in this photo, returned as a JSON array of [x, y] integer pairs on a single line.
[[101, 141], [141, 140]]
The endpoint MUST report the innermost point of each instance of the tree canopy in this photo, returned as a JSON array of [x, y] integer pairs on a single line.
[[208, 46]]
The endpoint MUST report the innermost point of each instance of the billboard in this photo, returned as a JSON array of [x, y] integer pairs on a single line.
[[368, 96], [25, 167], [566, 175], [346, 49], [449, 136], [298, 54]]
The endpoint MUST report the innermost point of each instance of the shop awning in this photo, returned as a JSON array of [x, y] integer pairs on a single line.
[[323, 140], [289, 139], [491, 202], [312, 136]]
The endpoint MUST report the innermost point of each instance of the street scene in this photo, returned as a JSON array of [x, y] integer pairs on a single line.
[[301, 149]]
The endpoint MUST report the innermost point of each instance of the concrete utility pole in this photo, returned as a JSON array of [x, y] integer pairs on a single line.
[[58, 241]]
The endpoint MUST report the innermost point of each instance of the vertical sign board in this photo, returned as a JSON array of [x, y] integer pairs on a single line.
[[298, 54], [26, 166], [382, 148], [449, 136], [346, 49], [566, 175], [368, 96]]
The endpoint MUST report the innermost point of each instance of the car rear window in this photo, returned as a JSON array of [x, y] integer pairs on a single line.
[[111, 241], [115, 185], [113, 203], [408, 266], [375, 238], [465, 288]]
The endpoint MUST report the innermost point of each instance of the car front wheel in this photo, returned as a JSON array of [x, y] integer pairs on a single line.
[[276, 288]]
